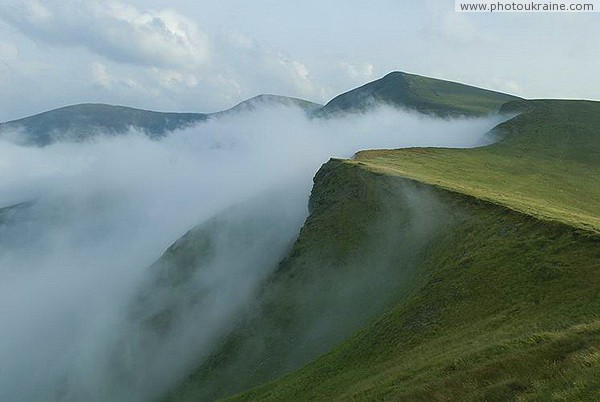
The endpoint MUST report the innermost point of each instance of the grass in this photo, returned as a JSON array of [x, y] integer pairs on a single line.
[[505, 303], [354, 257], [454, 96], [548, 165], [427, 95]]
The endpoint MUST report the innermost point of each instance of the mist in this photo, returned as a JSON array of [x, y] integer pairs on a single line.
[[89, 218]]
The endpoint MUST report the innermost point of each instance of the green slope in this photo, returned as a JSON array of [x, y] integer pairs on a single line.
[[547, 164], [423, 94], [477, 297], [503, 305], [332, 282]]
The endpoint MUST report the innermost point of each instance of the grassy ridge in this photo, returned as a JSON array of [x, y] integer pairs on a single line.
[[547, 165], [503, 305]]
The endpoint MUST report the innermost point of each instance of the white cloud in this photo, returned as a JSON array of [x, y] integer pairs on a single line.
[[120, 83], [508, 85], [243, 66], [162, 52], [114, 30], [298, 74], [209, 55]]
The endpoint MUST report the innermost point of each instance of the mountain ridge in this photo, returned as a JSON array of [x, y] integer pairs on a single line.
[[81, 121], [430, 96]]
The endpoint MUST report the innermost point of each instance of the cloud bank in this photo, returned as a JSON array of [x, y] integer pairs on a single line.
[[115, 30], [91, 217]]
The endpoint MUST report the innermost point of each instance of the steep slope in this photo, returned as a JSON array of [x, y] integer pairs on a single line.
[[502, 306], [486, 300], [423, 94], [505, 305], [321, 292]]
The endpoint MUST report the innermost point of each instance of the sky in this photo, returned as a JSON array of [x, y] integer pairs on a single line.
[[205, 56]]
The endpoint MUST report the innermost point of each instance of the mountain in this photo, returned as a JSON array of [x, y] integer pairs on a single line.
[[79, 122], [547, 164], [270, 100], [398, 89], [423, 94], [499, 305]]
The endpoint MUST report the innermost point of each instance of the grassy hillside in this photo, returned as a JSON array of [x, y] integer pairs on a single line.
[[503, 305], [547, 164], [355, 256], [424, 94]]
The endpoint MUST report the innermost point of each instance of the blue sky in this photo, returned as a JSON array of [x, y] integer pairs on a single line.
[[209, 55]]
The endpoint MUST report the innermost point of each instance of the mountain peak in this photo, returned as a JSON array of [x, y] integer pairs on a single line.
[[423, 94], [270, 100]]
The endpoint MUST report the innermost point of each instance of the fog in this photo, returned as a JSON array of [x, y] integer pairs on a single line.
[[91, 217]]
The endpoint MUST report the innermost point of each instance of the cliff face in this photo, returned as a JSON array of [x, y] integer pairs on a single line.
[[355, 256]]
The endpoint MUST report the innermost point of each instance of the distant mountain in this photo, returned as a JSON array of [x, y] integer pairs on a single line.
[[423, 94], [78, 122], [269, 100], [399, 89]]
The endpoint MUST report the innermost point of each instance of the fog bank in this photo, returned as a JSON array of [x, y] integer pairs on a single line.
[[94, 215]]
